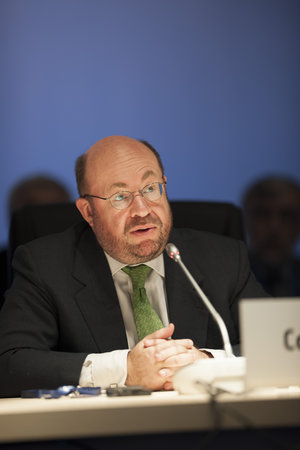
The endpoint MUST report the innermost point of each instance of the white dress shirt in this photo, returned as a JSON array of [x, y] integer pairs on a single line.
[[103, 369]]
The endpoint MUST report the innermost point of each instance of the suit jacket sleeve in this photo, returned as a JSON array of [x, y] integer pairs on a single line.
[[30, 355], [61, 307]]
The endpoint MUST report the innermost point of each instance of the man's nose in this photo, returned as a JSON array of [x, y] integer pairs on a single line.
[[139, 206]]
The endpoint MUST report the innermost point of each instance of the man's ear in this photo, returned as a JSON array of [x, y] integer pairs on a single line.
[[83, 205], [165, 179]]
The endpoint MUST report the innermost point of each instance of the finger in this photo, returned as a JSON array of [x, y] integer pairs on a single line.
[[153, 342], [168, 386], [180, 360], [188, 343], [169, 348], [165, 373], [163, 333]]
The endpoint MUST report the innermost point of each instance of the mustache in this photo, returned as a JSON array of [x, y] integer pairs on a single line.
[[136, 221]]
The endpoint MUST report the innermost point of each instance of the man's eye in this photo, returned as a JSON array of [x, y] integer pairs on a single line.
[[149, 189], [120, 197]]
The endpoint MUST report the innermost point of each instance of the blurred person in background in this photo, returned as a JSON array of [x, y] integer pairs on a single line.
[[36, 190], [272, 220], [32, 190]]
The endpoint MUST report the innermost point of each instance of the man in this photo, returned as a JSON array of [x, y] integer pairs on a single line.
[[68, 317], [272, 218]]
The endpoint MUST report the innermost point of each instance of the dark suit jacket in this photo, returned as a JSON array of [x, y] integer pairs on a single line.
[[63, 305]]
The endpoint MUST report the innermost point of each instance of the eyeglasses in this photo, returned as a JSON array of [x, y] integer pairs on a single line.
[[121, 200]]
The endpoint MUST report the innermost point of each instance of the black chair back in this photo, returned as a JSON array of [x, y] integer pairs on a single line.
[[34, 221], [217, 217]]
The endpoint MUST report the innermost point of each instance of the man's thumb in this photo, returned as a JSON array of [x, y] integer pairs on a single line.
[[163, 333]]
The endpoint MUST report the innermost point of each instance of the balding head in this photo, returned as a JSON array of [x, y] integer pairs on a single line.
[[112, 147]]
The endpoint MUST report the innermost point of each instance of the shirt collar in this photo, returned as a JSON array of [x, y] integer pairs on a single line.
[[157, 264]]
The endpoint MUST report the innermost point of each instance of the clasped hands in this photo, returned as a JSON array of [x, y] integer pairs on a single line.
[[155, 359]]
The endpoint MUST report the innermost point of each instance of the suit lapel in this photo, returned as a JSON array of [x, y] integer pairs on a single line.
[[186, 310], [97, 298]]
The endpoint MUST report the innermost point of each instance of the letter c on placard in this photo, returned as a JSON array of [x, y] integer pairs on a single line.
[[286, 339]]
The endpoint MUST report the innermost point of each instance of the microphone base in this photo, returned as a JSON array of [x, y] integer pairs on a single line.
[[210, 375]]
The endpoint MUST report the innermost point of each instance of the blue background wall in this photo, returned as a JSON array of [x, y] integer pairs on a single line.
[[214, 85]]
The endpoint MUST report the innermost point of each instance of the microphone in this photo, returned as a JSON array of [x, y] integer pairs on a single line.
[[227, 373], [174, 254]]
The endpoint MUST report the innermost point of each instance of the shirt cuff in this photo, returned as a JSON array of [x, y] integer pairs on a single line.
[[103, 369], [220, 354]]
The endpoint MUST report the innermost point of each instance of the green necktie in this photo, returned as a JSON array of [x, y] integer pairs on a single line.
[[146, 318]]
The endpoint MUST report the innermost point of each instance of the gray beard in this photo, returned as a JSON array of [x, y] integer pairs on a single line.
[[129, 253]]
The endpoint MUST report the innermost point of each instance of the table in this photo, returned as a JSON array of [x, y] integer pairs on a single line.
[[24, 420]]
